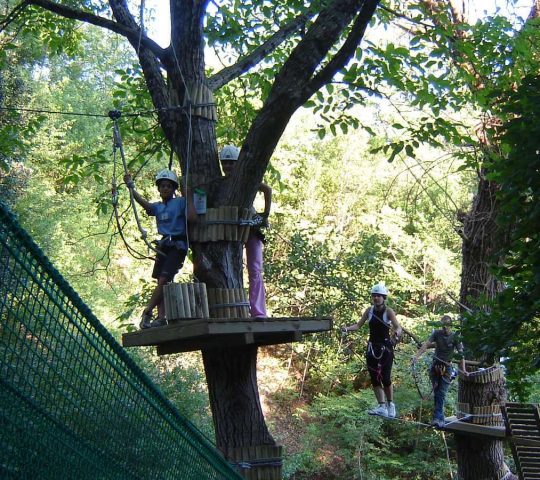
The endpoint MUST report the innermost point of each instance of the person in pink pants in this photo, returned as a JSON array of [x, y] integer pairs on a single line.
[[254, 246]]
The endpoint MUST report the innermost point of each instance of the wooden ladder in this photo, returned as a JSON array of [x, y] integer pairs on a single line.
[[523, 425]]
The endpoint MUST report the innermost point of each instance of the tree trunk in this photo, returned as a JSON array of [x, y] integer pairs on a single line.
[[234, 397], [231, 373], [480, 458], [481, 242]]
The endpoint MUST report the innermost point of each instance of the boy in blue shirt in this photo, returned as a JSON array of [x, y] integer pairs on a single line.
[[172, 214]]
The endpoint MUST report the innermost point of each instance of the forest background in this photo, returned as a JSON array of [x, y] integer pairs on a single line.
[[344, 217]]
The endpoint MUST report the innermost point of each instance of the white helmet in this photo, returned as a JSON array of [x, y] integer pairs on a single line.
[[229, 152], [167, 175], [379, 289]]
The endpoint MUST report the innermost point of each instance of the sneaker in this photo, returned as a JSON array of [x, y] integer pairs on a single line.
[[391, 407], [381, 410], [438, 423], [159, 322], [146, 321]]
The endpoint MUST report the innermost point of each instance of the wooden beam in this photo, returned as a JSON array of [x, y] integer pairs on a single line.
[[206, 343], [524, 441], [456, 426]]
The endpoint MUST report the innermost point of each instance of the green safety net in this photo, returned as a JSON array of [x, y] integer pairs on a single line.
[[73, 404]]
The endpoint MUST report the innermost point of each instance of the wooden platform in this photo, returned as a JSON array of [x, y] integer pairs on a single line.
[[206, 333], [457, 426]]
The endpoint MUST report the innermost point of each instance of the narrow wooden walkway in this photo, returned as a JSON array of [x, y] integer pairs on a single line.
[[206, 333], [523, 425]]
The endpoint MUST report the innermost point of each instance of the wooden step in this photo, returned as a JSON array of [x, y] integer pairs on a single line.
[[522, 422]]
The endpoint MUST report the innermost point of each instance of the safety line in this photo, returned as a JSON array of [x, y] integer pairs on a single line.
[[106, 115]]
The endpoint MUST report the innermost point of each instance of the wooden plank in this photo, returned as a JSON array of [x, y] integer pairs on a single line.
[[155, 336], [190, 345], [220, 328], [230, 341], [457, 426], [191, 329], [532, 442]]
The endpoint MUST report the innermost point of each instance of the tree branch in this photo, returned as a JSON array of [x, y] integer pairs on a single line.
[[13, 15], [132, 34], [535, 10], [345, 52], [287, 94], [260, 53], [149, 62]]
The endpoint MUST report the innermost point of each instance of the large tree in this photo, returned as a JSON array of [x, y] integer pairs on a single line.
[[311, 41], [293, 49]]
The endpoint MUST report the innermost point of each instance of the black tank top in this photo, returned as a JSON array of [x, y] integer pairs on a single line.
[[379, 332]]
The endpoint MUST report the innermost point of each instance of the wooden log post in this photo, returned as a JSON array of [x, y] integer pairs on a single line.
[[185, 300]]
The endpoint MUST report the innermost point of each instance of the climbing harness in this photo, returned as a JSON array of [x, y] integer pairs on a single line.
[[423, 381], [371, 351]]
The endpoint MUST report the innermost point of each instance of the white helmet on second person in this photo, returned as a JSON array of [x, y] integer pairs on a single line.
[[379, 289], [229, 153], [167, 174]]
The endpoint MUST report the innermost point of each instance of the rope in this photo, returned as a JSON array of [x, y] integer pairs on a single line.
[[223, 305], [447, 455], [414, 374], [138, 113], [117, 144], [262, 462], [114, 193], [53, 112], [190, 133], [477, 415]]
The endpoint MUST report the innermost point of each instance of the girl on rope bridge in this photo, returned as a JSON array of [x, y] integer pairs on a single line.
[[380, 349], [171, 215], [441, 371]]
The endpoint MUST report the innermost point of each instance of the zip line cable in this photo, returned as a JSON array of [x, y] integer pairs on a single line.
[[138, 113], [53, 112]]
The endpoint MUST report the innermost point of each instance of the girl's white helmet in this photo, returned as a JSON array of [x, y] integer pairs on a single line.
[[167, 175], [379, 289], [229, 152]]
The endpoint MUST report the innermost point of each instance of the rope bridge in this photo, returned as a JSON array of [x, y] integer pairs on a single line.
[[72, 402]]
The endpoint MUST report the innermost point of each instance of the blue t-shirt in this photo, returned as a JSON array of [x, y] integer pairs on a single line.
[[170, 216]]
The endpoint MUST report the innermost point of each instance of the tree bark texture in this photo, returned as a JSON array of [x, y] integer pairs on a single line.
[[481, 243], [234, 397], [480, 458]]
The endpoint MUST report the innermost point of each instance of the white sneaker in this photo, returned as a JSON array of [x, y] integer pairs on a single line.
[[381, 410], [391, 407]]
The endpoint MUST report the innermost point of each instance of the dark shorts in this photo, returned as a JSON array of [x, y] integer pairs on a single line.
[[168, 265]]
